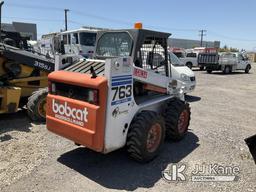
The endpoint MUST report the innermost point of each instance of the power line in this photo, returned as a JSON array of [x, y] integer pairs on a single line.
[[86, 14], [231, 38], [41, 7], [35, 19]]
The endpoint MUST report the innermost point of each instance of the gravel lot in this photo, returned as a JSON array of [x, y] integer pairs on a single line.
[[223, 114]]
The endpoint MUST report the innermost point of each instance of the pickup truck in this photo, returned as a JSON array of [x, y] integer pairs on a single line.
[[189, 59], [227, 62]]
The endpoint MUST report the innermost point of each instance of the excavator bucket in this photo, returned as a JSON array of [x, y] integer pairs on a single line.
[[251, 142]]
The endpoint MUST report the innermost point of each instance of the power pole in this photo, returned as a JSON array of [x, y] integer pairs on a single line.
[[1, 4], [66, 19], [202, 33]]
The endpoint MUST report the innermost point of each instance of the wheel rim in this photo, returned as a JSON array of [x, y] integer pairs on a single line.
[[183, 121], [42, 107], [154, 137]]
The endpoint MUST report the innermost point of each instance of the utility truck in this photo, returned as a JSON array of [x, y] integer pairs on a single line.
[[227, 62], [122, 97]]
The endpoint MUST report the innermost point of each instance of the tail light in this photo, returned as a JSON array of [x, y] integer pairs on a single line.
[[51, 87], [93, 97], [74, 92], [80, 52]]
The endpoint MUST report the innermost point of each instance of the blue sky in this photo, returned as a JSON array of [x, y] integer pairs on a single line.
[[231, 22]]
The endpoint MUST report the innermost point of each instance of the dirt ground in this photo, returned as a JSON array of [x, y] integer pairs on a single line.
[[223, 114]]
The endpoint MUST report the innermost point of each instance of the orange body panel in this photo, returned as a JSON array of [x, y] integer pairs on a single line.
[[90, 132], [154, 88]]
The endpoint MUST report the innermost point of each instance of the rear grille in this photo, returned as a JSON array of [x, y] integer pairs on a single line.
[[84, 67], [192, 78], [72, 91]]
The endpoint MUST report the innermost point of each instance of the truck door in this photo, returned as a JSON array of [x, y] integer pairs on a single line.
[[241, 62]]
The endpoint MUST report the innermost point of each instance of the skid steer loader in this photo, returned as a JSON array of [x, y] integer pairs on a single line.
[[23, 79], [125, 96]]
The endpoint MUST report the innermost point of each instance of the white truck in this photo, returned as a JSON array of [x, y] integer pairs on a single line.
[[189, 59], [182, 73], [79, 42], [227, 62]]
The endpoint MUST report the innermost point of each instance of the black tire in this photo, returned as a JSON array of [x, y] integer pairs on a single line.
[[138, 145], [201, 68], [176, 110], [247, 69], [36, 105], [189, 65], [227, 70], [209, 71]]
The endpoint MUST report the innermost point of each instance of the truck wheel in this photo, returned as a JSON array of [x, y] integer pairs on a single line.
[[177, 118], [209, 71], [189, 65], [36, 105], [227, 70], [146, 136], [201, 68], [247, 69]]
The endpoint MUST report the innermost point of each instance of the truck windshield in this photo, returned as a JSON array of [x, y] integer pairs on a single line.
[[179, 54], [87, 39], [175, 60], [114, 44]]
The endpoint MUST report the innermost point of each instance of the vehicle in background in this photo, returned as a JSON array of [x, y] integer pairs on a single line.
[[227, 62], [48, 45], [182, 73], [190, 60], [80, 41], [14, 39]]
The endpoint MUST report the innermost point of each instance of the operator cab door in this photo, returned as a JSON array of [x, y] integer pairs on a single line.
[[241, 64]]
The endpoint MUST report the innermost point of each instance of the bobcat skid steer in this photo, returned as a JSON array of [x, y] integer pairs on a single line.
[[125, 96]]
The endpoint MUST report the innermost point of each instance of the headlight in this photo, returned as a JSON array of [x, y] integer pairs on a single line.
[[184, 77]]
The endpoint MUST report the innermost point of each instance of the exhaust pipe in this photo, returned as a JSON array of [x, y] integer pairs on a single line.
[[251, 143]]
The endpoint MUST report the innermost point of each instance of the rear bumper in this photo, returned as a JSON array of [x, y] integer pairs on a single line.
[[75, 120], [78, 120]]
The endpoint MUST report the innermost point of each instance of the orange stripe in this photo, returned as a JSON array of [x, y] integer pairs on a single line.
[[154, 88]]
